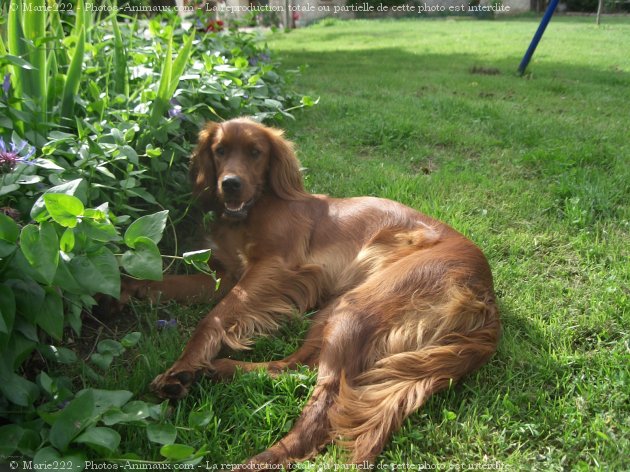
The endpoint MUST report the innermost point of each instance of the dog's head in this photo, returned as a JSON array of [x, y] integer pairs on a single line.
[[238, 161]]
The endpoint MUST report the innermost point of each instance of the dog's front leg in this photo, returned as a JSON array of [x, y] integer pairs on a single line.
[[255, 305]]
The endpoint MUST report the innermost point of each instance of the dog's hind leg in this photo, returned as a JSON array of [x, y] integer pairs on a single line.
[[312, 431]]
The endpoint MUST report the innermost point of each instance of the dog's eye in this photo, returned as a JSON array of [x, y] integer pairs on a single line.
[[219, 151], [255, 153]]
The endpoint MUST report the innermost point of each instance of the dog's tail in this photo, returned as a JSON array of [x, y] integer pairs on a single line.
[[374, 404]]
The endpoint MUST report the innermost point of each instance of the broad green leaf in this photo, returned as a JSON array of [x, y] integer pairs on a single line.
[[135, 411], [200, 419], [162, 433], [7, 309], [50, 317], [63, 355], [76, 187], [75, 417], [150, 226], [65, 280], [100, 437], [144, 261], [197, 256], [110, 346], [105, 400], [9, 230], [97, 272], [41, 249], [66, 243], [73, 461], [45, 457], [177, 452], [102, 361], [99, 231], [131, 339], [17, 389], [64, 209], [11, 435]]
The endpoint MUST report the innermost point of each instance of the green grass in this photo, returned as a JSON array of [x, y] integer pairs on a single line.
[[535, 170]]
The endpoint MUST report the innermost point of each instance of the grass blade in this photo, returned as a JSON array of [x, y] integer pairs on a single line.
[[73, 79], [57, 29], [17, 47], [180, 64], [160, 104], [121, 76], [35, 32]]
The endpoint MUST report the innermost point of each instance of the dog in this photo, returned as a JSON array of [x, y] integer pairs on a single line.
[[405, 304]]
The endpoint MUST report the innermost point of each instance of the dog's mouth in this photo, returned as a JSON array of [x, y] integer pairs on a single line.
[[237, 210]]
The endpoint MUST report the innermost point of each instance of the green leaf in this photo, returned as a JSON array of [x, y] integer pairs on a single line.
[[63, 355], [110, 346], [99, 231], [41, 249], [73, 419], [308, 101], [162, 434], [76, 187], [64, 209], [144, 261], [102, 361], [131, 339], [11, 435], [150, 226], [132, 412], [17, 389], [97, 272], [66, 243], [50, 317], [100, 438], [7, 309], [9, 230], [48, 457], [105, 400], [177, 452], [197, 256], [200, 419], [45, 457]]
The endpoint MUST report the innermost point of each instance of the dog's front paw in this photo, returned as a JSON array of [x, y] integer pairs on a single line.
[[174, 383]]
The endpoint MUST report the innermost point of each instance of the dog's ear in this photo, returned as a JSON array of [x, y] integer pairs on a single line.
[[285, 178], [201, 170]]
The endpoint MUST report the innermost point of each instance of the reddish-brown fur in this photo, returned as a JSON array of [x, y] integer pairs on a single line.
[[405, 303]]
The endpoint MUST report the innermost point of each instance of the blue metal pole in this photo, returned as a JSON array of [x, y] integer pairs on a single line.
[[536, 39]]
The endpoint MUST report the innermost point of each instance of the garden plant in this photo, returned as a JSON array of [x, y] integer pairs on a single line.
[[97, 114]]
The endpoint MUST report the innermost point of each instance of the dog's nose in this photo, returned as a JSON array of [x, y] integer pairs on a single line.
[[231, 184]]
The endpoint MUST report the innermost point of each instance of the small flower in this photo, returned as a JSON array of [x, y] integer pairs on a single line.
[[9, 158], [262, 57], [6, 85], [176, 109], [166, 324]]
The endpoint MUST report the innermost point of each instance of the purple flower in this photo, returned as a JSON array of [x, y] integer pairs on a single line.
[[9, 158], [262, 57], [164, 324], [176, 109], [6, 85]]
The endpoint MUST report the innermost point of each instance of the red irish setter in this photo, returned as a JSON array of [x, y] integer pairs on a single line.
[[405, 304]]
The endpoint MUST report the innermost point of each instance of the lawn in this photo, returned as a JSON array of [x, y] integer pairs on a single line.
[[535, 170]]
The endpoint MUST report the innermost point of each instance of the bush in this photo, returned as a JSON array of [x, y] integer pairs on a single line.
[[96, 120]]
